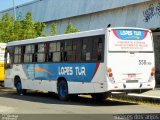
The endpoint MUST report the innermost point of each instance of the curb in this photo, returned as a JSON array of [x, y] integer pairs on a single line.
[[137, 98]]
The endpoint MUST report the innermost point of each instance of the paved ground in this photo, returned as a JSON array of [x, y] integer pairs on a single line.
[[42, 103], [153, 93]]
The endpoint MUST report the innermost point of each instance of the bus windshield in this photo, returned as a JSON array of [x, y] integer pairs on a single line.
[[130, 40]]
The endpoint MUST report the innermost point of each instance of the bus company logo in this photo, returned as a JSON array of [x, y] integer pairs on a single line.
[[80, 71], [130, 34]]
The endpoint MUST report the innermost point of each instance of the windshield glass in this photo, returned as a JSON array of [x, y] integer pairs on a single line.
[[130, 40]]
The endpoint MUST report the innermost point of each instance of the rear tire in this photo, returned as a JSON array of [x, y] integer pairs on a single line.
[[63, 90]]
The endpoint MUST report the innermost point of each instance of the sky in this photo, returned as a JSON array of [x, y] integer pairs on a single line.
[[5, 4]]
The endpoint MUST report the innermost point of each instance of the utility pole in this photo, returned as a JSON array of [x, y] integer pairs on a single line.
[[14, 9]]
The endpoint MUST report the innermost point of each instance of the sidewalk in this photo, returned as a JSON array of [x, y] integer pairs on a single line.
[[152, 93], [152, 96]]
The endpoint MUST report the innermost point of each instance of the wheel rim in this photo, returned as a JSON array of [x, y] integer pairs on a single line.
[[63, 90]]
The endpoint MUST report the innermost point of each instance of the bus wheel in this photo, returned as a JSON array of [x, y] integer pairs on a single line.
[[18, 86], [63, 90], [99, 96], [2, 84]]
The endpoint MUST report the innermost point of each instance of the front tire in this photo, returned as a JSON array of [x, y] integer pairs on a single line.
[[19, 89], [63, 90]]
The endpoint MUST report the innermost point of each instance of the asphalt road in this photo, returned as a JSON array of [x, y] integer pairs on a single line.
[[43, 103]]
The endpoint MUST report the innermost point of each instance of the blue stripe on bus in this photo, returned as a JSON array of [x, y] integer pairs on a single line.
[[77, 72]]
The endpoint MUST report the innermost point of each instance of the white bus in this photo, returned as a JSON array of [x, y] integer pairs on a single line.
[[95, 62]]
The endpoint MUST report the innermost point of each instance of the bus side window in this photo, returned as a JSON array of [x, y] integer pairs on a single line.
[[54, 52], [22, 53], [41, 53], [63, 52], [35, 54], [100, 48], [29, 54], [9, 57], [77, 49], [86, 49], [97, 49], [68, 50], [17, 54]]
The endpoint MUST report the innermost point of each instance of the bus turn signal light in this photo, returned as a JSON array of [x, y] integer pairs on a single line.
[[152, 74], [110, 75], [152, 71], [109, 70]]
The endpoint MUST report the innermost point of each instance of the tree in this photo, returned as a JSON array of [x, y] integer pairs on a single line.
[[17, 33], [53, 29], [6, 28], [39, 28], [28, 27], [70, 28], [12, 30]]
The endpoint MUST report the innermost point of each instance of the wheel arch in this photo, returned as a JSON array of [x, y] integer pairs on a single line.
[[60, 79]]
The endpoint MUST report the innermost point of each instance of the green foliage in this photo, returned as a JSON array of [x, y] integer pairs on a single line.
[[39, 28], [17, 31], [12, 30], [6, 28], [53, 29], [70, 28], [28, 27]]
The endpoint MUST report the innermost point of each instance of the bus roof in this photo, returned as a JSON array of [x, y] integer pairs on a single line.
[[58, 37], [129, 28], [68, 36]]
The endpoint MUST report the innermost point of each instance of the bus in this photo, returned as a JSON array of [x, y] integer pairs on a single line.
[[96, 62], [2, 52]]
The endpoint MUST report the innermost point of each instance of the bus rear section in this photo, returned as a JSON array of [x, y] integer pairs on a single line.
[[130, 60], [2, 51]]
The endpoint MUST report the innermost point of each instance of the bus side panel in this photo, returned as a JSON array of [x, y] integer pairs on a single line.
[[46, 85], [99, 79], [81, 77], [80, 87], [97, 84]]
